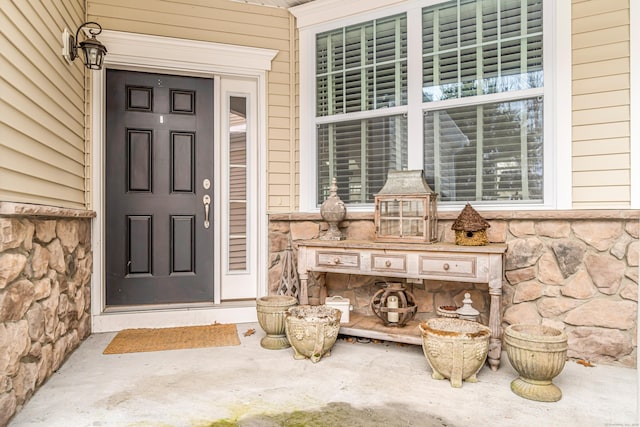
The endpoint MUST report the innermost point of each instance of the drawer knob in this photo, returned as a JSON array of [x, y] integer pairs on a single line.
[[445, 266], [387, 263], [336, 260]]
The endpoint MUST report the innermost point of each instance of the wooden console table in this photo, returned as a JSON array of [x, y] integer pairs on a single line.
[[439, 261]]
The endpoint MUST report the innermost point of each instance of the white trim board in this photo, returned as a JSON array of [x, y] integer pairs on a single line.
[[175, 56], [171, 54], [634, 61], [323, 11]]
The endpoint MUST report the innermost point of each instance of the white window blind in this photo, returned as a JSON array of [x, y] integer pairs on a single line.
[[361, 69], [359, 153], [475, 47], [483, 150], [489, 152]]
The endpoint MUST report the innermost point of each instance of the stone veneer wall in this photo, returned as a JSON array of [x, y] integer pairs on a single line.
[[574, 270], [45, 272]]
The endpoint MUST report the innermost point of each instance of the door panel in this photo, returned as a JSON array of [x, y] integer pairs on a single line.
[[159, 149]]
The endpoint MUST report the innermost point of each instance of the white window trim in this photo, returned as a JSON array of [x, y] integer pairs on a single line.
[[176, 56], [324, 15], [634, 45]]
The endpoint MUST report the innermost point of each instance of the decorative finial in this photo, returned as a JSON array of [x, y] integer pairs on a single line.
[[333, 189], [333, 211], [467, 312]]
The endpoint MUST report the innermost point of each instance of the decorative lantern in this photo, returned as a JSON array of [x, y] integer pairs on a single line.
[[92, 50], [470, 228], [394, 305], [406, 209]]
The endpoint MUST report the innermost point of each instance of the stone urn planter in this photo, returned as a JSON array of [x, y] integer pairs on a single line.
[[312, 330], [538, 354], [271, 314], [455, 348]]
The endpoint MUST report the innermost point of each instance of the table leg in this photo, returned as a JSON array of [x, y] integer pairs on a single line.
[[304, 288], [495, 344], [323, 289], [495, 314], [303, 275]]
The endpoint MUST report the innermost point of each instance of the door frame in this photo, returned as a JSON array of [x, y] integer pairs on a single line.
[[138, 52]]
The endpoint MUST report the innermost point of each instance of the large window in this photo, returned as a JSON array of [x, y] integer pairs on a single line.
[[478, 101]]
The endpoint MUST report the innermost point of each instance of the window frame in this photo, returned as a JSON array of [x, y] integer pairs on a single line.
[[557, 94]]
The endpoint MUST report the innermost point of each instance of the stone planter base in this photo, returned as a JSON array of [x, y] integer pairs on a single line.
[[271, 312], [540, 391], [455, 348], [312, 330], [538, 353]]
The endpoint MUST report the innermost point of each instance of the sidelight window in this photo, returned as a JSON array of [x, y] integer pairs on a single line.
[[237, 202]]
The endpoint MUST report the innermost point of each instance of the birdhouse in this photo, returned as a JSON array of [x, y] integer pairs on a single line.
[[470, 228], [406, 209]]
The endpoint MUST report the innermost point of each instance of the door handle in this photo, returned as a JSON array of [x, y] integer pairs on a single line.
[[207, 202]]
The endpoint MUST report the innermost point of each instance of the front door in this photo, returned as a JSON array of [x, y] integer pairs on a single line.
[[159, 189]]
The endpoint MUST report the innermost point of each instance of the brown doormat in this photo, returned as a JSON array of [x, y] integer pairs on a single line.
[[141, 340]]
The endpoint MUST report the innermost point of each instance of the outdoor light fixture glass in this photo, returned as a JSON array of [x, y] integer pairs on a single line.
[[92, 50]]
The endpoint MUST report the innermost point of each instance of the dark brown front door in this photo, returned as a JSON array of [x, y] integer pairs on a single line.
[[159, 152]]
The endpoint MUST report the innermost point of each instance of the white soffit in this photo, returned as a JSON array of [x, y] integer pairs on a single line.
[[275, 3]]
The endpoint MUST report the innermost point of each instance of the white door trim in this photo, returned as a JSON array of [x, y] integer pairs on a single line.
[[175, 56]]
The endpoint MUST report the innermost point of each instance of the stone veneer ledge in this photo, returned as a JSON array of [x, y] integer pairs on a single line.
[[30, 209], [576, 270], [45, 295]]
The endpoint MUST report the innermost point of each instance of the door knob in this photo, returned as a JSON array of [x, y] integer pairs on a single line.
[[207, 202]]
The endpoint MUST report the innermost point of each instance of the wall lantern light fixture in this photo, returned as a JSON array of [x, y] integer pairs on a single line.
[[92, 50]]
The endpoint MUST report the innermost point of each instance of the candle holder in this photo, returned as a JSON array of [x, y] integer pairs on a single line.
[[394, 305]]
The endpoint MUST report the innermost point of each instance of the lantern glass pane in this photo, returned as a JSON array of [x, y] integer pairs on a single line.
[[390, 227], [389, 208], [412, 227], [412, 208]]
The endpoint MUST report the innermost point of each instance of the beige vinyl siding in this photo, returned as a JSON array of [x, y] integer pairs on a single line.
[[600, 104], [42, 144], [224, 21]]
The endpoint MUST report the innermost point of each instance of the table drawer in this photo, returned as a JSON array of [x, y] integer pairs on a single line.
[[338, 259], [389, 263], [453, 266]]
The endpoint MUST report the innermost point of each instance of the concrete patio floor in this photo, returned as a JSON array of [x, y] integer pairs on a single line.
[[360, 384]]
